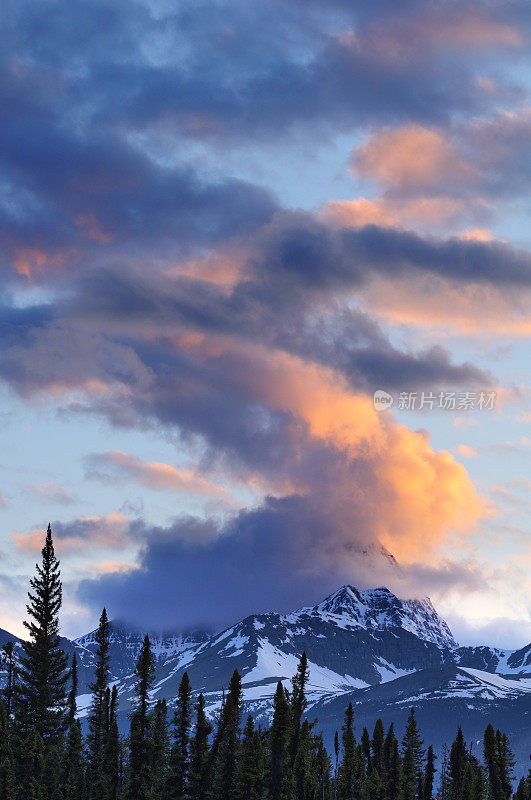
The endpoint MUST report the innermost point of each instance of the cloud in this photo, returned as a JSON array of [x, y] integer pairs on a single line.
[[52, 492], [193, 573], [114, 466], [109, 532], [146, 279], [466, 451], [411, 157], [338, 453]]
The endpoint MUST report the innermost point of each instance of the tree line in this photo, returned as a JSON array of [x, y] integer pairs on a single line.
[[45, 756]]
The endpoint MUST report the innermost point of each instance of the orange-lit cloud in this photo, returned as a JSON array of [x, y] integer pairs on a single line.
[[416, 495], [387, 211], [222, 267], [52, 492], [109, 532], [435, 303], [30, 261], [410, 157], [151, 474], [404, 39], [466, 451]]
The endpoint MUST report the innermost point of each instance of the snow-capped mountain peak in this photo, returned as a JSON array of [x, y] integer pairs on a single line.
[[380, 609]]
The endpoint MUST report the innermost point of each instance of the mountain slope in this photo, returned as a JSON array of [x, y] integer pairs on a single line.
[[443, 698]]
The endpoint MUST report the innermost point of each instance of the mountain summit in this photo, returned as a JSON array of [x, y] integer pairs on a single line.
[[380, 609]]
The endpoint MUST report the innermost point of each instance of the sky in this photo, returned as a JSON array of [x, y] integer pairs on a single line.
[[224, 227]]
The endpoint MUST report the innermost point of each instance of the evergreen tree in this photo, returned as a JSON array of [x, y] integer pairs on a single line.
[[73, 772], [252, 766], [304, 777], [7, 767], [412, 759], [198, 781], [499, 763], [429, 775], [138, 787], [336, 767], [43, 673], [322, 769], [298, 703], [442, 792], [366, 749], [182, 722], [98, 713], [9, 664], [50, 782], [377, 744], [393, 772], [72, 695], [523, 791], [505, 765], [350, 773], [457, 767], [112, 747], [160, 748], [226, 743], [30, 766], [279, 739]]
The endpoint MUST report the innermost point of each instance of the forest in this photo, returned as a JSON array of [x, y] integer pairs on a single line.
[[46, 755]]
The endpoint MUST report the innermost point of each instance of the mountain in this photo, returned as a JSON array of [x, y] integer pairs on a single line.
[[443, 698], [383, 653]]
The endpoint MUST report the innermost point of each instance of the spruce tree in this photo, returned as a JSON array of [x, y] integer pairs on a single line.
[[457, 767], [392, 775], [73, 772], [366, 749], [30, 766], [298, 703], [112, 747], [336, 763], [7, 767], [322, 769], [72, 694], [9, 664], [377, 744], [429, 775], [98, 713], [199, 746], [412, 759], [304, 778], [251, 771], [279, 739], [442, 792], [43, 672], [159, 751], [505, 765], [227, 741], [492, 764], [50, 781], [182, 722], [348, 780], [138, 783]]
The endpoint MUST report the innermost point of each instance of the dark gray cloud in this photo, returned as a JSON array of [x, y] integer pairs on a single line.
[[285, 554]]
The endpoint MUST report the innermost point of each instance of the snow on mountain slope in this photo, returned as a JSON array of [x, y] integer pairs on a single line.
[[443, 698], [492, 659], [352, 640], [380, 609]]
